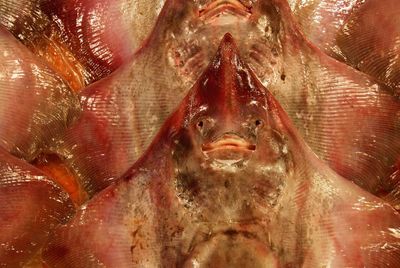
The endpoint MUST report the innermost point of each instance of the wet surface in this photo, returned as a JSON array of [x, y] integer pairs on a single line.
[[179, 130]]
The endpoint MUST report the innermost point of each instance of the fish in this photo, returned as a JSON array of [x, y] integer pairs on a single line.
[[122, 112], [83, 40], [228, 181], [32, 205], [36, 105], [363, 34], [349, 119]]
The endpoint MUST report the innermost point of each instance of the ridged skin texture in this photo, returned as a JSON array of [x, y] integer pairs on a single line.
[[259, 198], [90, 38], [363, 34], [177, 149], [348, 118], [31, 206], [36, 106]]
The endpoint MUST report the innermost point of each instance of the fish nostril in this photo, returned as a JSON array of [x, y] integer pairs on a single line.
[[200, 127], [258, 122], [204, 125]]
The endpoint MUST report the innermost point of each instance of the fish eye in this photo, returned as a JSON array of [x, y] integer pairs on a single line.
[[200, 124]]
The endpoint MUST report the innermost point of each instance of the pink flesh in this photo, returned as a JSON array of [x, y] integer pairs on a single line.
[[36, 106], [319, 218], [32, 205], [101, 35], [347, 118], [363, 34]]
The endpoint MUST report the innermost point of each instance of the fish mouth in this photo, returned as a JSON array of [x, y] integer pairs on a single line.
[[214, 8], [228, 147], [231, 247]]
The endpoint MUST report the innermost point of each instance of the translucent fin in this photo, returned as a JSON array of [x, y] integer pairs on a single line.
[[322, 20], [363, 34], [355, 228], [54, 167], [36, 106], [101, 223], [346, 117], [83, 40], [370, 41], [31, 206], [123, 111], [121, 115]]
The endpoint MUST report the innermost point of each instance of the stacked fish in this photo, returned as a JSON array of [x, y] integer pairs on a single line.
[[199, 133]]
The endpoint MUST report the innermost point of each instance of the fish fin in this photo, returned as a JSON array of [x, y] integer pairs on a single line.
[[36, 106], [32, 205]]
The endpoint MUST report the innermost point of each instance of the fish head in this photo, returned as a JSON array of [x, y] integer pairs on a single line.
[[189, 31], [231, 163], [229, 142], [229, 120]]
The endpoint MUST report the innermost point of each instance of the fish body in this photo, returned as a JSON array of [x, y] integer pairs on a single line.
[[349, 119], [32, 205], [228, 181]]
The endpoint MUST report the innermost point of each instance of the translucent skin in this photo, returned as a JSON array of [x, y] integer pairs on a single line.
[[84, 37], [363, 34], [348, 118], [36, 105], [278, 206], [84, 40], [32, 205]]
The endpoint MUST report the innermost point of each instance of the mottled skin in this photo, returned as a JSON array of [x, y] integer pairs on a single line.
[[228, 182], [234, 226], [136, 99], [347, 118]]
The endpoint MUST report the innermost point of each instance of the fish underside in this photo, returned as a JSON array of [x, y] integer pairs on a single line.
[[197, 133]]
